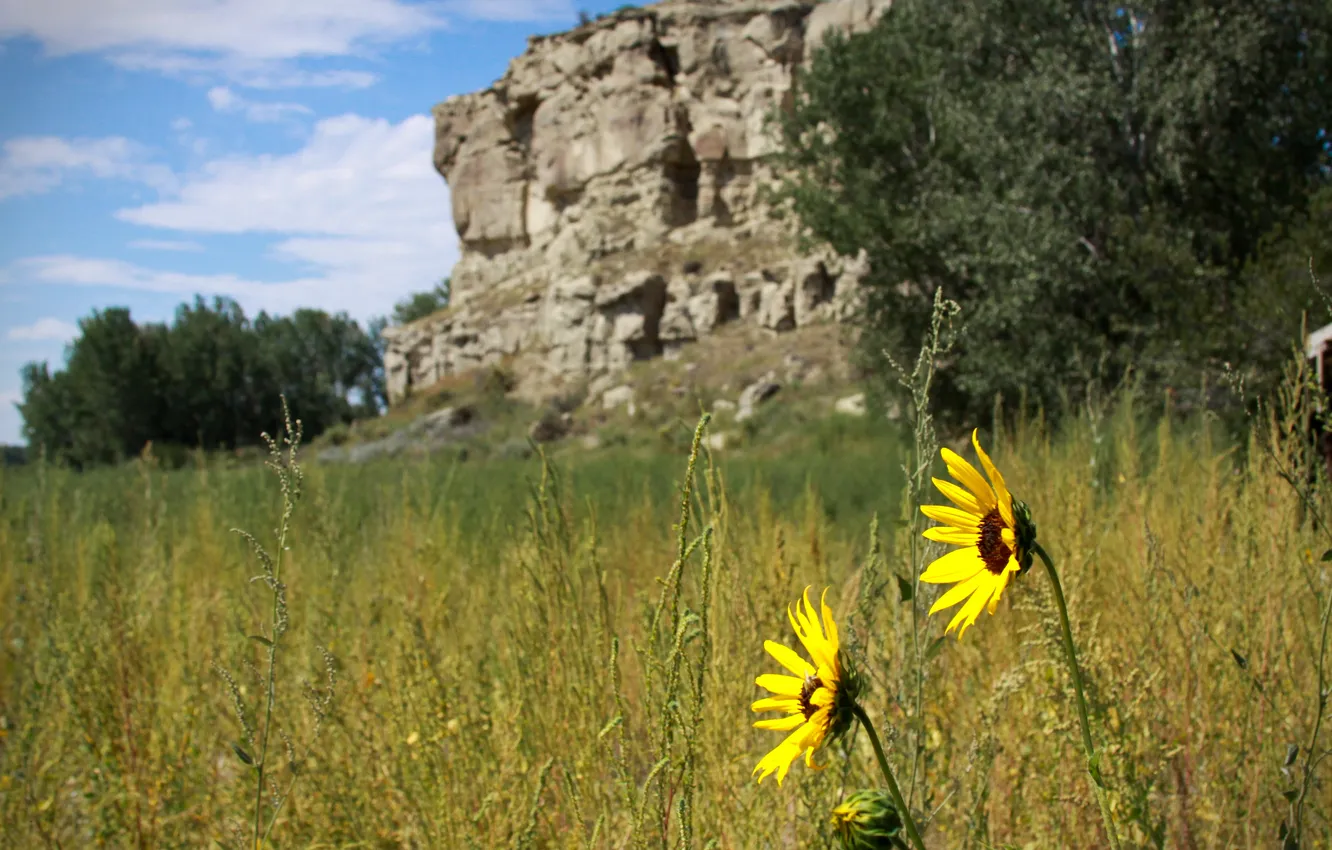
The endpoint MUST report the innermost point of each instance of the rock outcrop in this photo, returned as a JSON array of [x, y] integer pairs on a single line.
[[606, 195]]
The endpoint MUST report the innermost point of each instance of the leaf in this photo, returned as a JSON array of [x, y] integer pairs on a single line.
[[1290, 795], [905, 589], [1094, 768], [1327, 556], [934, 647], [1240, 660], [1289, 841], [265, 641], [1292, 753], [242, 755]]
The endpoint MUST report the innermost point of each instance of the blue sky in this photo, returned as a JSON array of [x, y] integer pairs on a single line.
[[274, 151]]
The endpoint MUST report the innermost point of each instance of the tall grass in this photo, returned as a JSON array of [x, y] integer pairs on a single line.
[[532, 655]]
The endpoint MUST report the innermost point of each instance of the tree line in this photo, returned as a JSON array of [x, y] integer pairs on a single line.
[[212, 378]]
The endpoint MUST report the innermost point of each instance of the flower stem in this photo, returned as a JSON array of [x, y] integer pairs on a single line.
[[1093, 763], [896, 793]]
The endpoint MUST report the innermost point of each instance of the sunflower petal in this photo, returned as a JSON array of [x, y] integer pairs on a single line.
[[999, 590], [809, 633], [787, 704], [788, 658], [968, 613], [971, 479], [957, 565], [781, 724], [829, 625], [959, 496], [802, 622], [785, 767], [961, 591], [952, 516], [781, 756], [1004, 498], [786, 686], [952, 536], [778, 759]]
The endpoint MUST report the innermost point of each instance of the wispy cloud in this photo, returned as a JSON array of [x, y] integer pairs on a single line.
[[259, 29], [511, 10], [224, 99], [355, 176], [31, 165], [166, 245], [251, 42], [43, 330], [241, 70]]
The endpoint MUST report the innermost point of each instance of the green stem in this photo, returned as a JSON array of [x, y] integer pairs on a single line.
[[1093, 767], [259, 833], [896, 792]]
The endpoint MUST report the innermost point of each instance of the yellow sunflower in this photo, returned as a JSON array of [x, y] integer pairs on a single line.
[[817, 700], [994, 530]]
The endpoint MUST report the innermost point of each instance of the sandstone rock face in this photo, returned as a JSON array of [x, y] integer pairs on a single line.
[[605, 191]]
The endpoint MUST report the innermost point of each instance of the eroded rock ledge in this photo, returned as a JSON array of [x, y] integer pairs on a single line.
[[605, 192]]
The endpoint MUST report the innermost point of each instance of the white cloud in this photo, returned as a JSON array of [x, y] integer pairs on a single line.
[[43, 329], [251, 42], [166, 245], [244, 71], [223, 99], [512, 10], [260, 29], [359, 212], [32, 165], [181, 124], [255, 43], [356, 176]]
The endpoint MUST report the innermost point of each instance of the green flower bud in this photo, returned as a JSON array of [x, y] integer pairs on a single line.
[[1025, 532], [843, 715], [868, 820]]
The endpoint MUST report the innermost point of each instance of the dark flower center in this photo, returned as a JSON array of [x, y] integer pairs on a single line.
[[812, 684], [993, 550]]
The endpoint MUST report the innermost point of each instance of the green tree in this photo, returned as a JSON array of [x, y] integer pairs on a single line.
[[47, 410], [372, 389], [211, 395], [1088, 180], [1281, 296]]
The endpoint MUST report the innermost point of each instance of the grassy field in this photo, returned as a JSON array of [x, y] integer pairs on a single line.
[[519, 657]]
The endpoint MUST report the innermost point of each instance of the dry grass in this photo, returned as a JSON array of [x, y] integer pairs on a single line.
[[523, 679]]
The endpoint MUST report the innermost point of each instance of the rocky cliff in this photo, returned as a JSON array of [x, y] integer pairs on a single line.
[[606, 195]]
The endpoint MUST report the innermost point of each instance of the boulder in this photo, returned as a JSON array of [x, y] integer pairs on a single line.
[[755, 394], [851, 405], [617, 397], [552, 426]]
